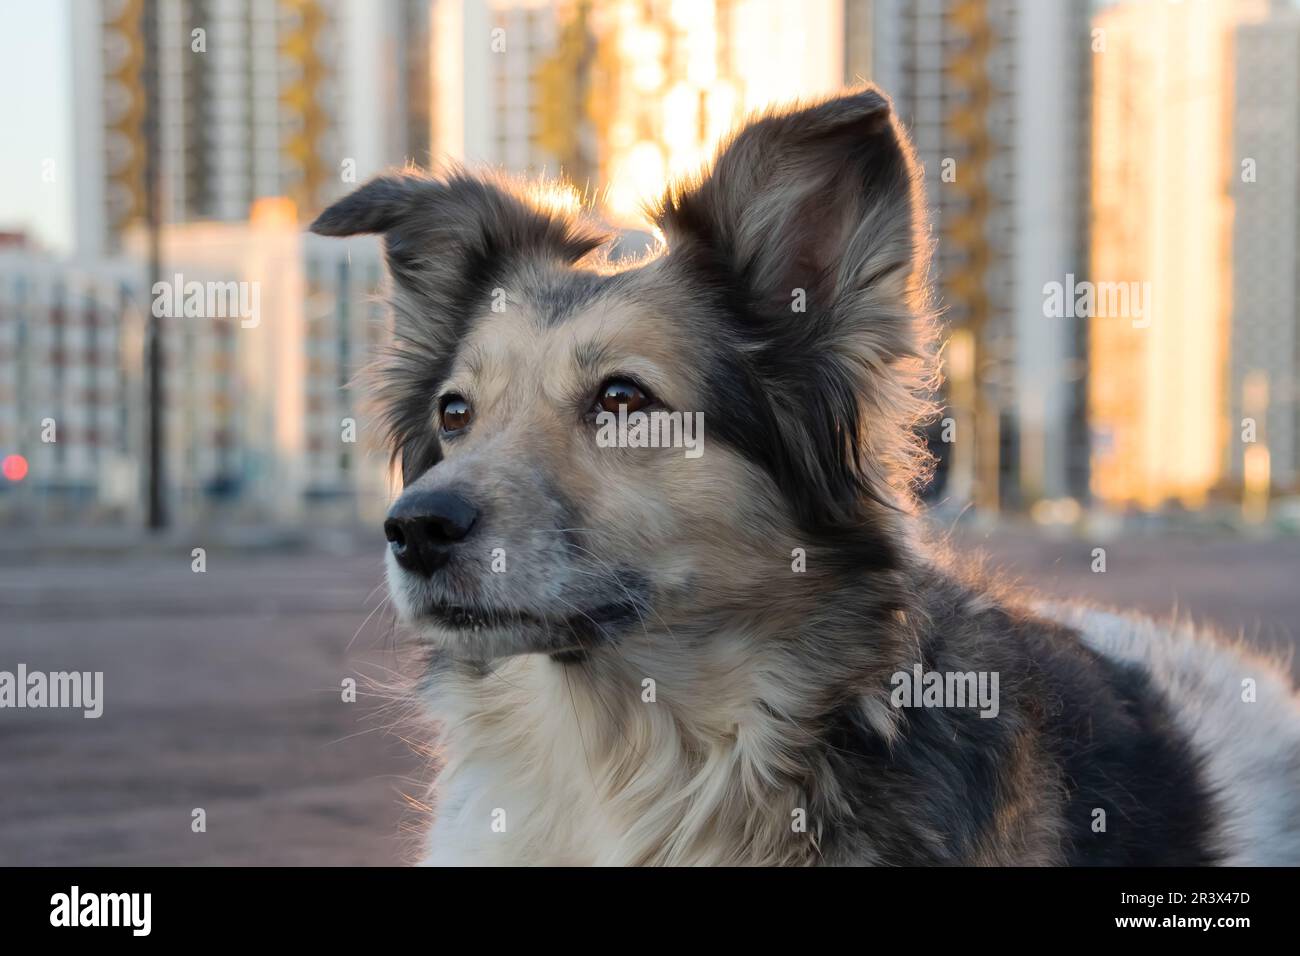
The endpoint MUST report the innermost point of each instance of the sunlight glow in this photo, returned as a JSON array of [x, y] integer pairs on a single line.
[[685, 73]]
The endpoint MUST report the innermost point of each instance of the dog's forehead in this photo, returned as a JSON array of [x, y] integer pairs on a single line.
[[571, 329], [555, 297]]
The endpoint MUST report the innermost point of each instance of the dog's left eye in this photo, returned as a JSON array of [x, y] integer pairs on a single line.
[[455, 413], [619, 391]]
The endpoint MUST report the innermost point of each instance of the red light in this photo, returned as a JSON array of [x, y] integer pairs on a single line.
[[14, 467]]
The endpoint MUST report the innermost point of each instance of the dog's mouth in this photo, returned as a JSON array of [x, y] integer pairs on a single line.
[[509, 630], [459, 617]]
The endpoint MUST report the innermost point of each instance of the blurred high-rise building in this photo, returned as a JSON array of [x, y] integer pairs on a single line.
[[619, 96], [257, 98], [859, 40], [265, 328], [267, 110], [996, 96], [1265, 187], [65, 384], [261, 414], [1162, 228], [504, 72]]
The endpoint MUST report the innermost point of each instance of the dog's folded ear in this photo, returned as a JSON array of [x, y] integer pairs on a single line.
[[441, 234], [377, 206], [819, 206]]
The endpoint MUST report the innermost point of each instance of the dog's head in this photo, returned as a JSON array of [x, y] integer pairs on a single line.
[[779, 334]]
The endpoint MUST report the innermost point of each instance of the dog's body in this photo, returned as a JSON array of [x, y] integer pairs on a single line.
[[641, 657], [586, 772]]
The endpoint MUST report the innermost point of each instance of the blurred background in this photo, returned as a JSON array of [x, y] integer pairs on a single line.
[[1149, 148], [1113, 188]]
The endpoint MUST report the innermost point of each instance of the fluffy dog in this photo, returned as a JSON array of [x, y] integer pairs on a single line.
[[749, 656]]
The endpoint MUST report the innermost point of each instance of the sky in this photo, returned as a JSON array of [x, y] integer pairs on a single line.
[[36, 120]]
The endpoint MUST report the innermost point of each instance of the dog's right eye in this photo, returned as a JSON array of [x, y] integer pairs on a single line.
[[622, 393], [455, 413]]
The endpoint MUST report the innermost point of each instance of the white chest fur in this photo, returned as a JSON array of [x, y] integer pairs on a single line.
[[548, 765]]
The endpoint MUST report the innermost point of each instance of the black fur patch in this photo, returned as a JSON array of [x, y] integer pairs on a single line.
[[1142, 772], [1099, 736]]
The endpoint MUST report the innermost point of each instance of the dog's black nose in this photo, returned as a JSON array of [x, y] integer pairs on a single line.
[[423, 525]]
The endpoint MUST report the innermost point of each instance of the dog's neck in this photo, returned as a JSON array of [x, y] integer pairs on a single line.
[[670, 749]]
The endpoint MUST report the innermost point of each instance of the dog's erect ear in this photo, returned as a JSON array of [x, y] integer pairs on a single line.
[[809, 228], [823, 199]]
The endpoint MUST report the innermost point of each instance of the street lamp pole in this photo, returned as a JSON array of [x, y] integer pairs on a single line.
[[156, 506]]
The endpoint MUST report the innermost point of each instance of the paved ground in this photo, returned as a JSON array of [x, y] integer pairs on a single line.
[[223, 692], [1243, 587]]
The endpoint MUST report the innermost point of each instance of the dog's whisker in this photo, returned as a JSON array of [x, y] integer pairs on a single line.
[[378, 607]]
